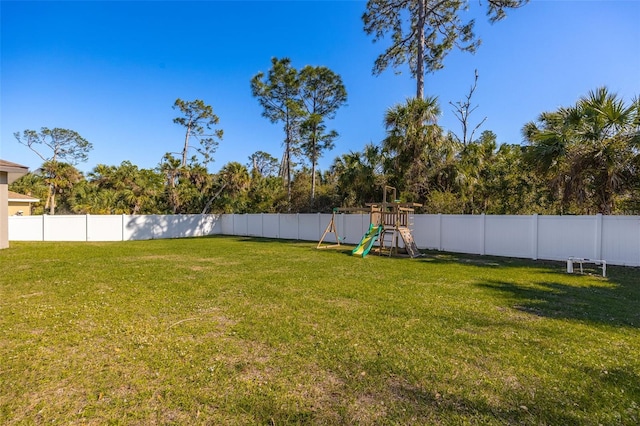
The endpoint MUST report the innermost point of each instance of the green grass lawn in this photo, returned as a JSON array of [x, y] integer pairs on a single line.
[[246, 331]]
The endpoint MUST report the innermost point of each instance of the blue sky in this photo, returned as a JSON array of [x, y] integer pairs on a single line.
[[112, 70]]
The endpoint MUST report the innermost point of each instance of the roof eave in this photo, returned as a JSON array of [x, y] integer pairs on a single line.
[[14, 171]]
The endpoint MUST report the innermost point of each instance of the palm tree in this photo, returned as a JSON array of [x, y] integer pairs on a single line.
[[611, 134], [236, 181], [412, 144], [134, 190], [587, 152], [60, 177], [171, 169], [360, 176], [475, 169]]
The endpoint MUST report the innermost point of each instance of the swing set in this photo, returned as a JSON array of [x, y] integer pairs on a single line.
[[389, 221]]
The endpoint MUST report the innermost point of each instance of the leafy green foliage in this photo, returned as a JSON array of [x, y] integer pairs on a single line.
[[123, 189], [59, 150], [414, 145], [263, 164], [56, 145], [277, 93], [360, 176], [303, 101], [322, 93], [580, 159], [198, 120], [588, 152]]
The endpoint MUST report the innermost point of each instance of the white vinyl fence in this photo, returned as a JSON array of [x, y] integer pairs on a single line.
[[110, 227], [615, 239]]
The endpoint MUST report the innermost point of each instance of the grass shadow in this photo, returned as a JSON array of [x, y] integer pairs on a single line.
[[614, 300], [611, 305], [478, 410]]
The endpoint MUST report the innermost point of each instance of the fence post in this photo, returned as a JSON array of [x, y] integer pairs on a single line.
[[439, 231], [483, 233], [534, 236], [598, 239], [45, 225]]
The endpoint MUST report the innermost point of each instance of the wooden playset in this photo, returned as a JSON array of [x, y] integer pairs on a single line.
[[389, 221]]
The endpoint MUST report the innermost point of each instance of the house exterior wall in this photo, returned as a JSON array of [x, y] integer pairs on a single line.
[[16, 206], [9, 172], [4, 210]]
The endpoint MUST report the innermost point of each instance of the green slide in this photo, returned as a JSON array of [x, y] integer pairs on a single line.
[[367, 241]]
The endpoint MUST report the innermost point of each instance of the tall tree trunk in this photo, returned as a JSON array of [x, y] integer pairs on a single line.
[[314, 160], [607, 194], [208, 205], [285, 170], [313, 181], [287, 164], [186, 146], [51, 200], [422, 11], [173, 197]]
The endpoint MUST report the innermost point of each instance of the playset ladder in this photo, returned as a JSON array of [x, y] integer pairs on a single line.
[[387, 243]]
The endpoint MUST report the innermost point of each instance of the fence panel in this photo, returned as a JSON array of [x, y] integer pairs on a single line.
[[188, 225], [240, 224], [206, 224], [288, 226], [271, 222], [509, 236], [26, 228], [65, 228], [309, 227], [463, 234], [137, 227], [560, 237], [162, 227], [426, 231], [104, 228], [621, 240], [355, 226], [254, 225], [215, 224], [226, 224]]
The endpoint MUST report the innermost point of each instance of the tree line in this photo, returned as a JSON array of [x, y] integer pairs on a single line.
[[581, 159]]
